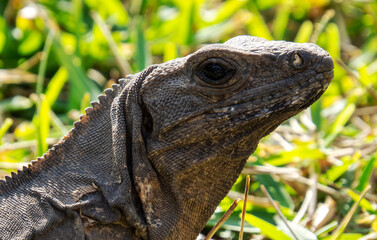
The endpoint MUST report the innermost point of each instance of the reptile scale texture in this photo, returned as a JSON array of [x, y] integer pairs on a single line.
[[157, 153]]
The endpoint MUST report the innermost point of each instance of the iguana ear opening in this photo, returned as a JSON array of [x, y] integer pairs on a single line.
[[147, 126]]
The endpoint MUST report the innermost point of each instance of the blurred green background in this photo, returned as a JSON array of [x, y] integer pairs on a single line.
[[56, 56]]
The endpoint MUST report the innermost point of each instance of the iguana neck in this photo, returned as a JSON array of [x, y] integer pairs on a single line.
[[194, 182]]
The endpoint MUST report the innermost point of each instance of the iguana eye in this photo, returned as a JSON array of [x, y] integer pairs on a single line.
[[215, 71]]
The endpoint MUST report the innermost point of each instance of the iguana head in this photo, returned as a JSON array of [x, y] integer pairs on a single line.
[[204, 114], [222, 91]]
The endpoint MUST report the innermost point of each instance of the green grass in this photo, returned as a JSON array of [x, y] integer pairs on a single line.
[[54, 62]]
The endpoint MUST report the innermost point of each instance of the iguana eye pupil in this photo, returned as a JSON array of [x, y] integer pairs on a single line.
[[214, 71]]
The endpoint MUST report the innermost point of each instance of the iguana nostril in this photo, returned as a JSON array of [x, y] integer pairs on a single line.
[[297, 61]]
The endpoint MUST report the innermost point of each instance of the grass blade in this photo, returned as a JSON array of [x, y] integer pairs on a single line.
[[315, 111], [266, 228], [277, 190], [3, 33], [142, 58], [170, 51], [304, 32], [223, 219], [42, 119], [342, 226], [55, 85], [257, 26], [264, 190], [80, 83], [281, 21], [4, 127], [367, 172], [339, 123], [43, 63], [247, 186], [185, 22], [322, 24], [42, 126], [227, 10], [124, 66]]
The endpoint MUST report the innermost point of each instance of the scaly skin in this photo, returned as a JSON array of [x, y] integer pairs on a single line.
[[156, 155]]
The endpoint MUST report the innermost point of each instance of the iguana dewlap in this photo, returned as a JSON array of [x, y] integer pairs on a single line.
[[155, 156]]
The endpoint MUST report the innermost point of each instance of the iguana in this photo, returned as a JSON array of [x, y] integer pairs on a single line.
[[155, 156]]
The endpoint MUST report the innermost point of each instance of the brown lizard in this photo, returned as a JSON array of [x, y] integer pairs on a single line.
[[155, 156]]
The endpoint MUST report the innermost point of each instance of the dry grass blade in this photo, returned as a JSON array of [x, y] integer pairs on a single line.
[[223, 219], [24, 144], [321, 25], [369, 110], [323, 214], [254, 200], [271, 170], [355, 75], [31, 62], [247, 186], [337, 194], [339, 231], [12, 165], [264, 190], [16, 76], [309, 199]]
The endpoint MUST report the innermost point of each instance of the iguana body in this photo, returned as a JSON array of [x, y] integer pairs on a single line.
[[156, 155]]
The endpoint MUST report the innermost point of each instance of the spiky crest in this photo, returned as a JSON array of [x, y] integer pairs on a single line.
[[49, 158]]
